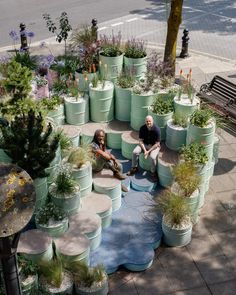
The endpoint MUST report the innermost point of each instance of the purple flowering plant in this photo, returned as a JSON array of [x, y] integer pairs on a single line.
[[111, 45], [134, 48]]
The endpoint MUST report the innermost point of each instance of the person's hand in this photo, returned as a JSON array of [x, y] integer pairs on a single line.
[[115, 164], [146, 153]]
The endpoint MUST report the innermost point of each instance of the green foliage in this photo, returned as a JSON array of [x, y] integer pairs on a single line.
[[195, 153], [27, 267], [201, 117], [52, 271], [49, 212], [86, 276], [180, 120], [188, 88], [28, 144], [64, 183], [162, 106], [111, 46], [185, 174], [50, 104], [66, 65], [125, 80], [59, 87], [18, 81], [174, 207], [64, 140], [135, 48], [79, 156], [26, 60]]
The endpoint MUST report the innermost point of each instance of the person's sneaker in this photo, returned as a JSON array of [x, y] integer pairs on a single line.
[[119, 176], [124, 188], [132, 171]]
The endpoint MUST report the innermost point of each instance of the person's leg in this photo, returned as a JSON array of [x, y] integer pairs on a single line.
[[136, 152], [153, 156], [117, 170]]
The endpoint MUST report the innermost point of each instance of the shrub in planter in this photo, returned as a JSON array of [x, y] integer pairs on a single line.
[[195, 153], [80, 156]]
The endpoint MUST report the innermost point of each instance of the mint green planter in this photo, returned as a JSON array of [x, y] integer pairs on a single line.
[[139, 109], [102, 102], [216, 145], [122, 103], [175, 136], [145, 164], [202, 135], [77, 110], [113, 192], [68, 203], [83, 177], [57, 115], [29, 286], [110, 67], [164, 174], [100, 290], [176, 237], [55, 229], [51, 170], [129, 140], [136, 66], [161, 121], [41, 190], [184, 106], [114, 140], [82, 83], [193, 202], [4, 158]]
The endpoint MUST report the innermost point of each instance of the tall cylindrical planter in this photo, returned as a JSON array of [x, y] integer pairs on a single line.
[[83, 176], [110, 67], [102, 289], [139, 109], [84, 79], [55, 229], [122, 103], [202, 135], [175, 136], [102, 102], [184, 106], [41, 190], [161, 121], [136, 66], [57, 115], [77, 110], [216, 145]]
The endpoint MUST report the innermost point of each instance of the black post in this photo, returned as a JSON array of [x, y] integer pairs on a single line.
[[185, 39], [23, 37], [94, 28]]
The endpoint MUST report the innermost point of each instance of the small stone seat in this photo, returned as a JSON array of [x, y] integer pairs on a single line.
[[73, 132], [100, 204], [114, 130], [145, 164], [105, 183], [36, 245], [166, 160], [73, 247], [129, 142], [86, 223], [88, 130]]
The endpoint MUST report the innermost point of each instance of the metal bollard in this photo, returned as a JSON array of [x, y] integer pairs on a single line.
[[94, 28], [23, 38], [185, 39]]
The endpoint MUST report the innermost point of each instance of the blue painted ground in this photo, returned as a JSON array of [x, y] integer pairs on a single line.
[[135, 232]]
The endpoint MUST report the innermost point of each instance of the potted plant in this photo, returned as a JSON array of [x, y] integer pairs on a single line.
[[135, 57], [110, 56], [123, 89], [85, 43], [80, 159], [54, 109], [176, 131], [52, 220], [41, 87], [187, 181], [89, 280], [101, 92], [176, 221], [65, 192], [28, 275], [54, 278], [161, 110]]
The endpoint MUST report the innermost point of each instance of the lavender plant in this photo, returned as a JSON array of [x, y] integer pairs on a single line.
[[111, 45], [134, 48]]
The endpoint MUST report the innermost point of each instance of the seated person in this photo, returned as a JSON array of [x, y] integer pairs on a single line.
[[103, 158], [149, 144]]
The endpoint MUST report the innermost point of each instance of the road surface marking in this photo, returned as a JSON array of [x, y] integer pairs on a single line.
[[131, 20], [117, 24], [102, 28]]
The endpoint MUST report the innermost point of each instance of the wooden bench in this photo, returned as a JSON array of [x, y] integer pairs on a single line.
[[221, 93]]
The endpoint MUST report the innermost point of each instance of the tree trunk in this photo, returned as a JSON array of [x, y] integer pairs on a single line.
[[174, 22]]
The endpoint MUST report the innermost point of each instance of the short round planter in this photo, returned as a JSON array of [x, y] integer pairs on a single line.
[[77, 110], [136, 66], [110, 67], [57, 115], [55, 228], [175, 136], [41, 190], [29, 285], [122, 103], [83, 176], [102, 102], [99, 289], [184, 106]]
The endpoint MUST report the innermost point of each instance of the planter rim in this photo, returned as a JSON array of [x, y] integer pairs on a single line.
[[108, 83], [176, 127]]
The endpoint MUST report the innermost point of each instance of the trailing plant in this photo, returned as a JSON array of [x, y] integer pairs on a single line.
[[28, 144], [48, 213], [202, 117], [26, 266], [187, 178], [50, 104], [79, 156], [125, 80], [161, 106], [111, 45], [195, 153], [180, 120], [134, 48]]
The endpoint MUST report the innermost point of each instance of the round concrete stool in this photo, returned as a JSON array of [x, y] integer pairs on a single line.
[[89, 224], [100, 204], [145, 164], [73, 247], [166, 160], [35, 245], [129, 142], [73, 132], [88, 130], [114, 130], [105, 183]]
